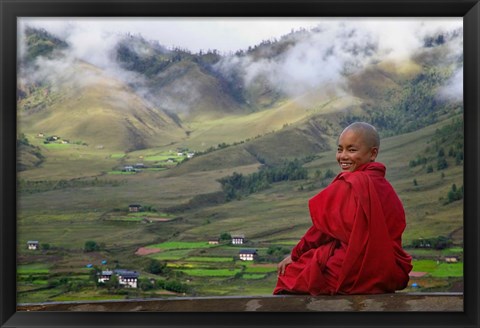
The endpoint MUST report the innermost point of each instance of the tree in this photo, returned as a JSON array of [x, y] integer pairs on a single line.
[[225, 236], [91, 246], [112, 283], [441, 242], [156, 267], [146, 284], [454, 194], [429, 169], [442, 163], [329, 174]]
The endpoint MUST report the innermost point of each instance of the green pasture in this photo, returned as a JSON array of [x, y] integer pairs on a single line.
[[70, 232], [155, 169], [169, 245], [121, 173], [170, 255], [253, 276], [126, 218], [150, 214], [209, 259], [181, 265], [86, 295], [260, 269], [287, 242], [441, 269], [56, 146], [445, 270], [163, 158], [422, 252], [39, 296], [118, 155], [211, 272], [238, 286], [34, 268]]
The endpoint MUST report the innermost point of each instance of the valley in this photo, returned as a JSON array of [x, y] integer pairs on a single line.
[[94, 206], [128, 173]]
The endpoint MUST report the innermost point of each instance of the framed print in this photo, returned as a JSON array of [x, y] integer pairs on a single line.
[[160, 161]]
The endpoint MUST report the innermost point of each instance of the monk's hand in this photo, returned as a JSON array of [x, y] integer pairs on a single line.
[[282, 265]]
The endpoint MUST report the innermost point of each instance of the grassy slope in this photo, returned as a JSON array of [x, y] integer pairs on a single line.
[[281, 209], [100, 111]]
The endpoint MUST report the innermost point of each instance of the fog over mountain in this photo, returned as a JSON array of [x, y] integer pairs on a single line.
[[310, 57], [383, 70]]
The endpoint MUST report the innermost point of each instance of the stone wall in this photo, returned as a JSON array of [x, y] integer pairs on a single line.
[[444, 302]]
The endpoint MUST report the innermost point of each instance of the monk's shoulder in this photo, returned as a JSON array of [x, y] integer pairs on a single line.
[[352, 178]]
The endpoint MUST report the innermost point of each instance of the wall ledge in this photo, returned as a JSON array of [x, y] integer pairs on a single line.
[[398, 302]]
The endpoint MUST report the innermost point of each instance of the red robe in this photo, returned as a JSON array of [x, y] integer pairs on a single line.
[[354, 245]]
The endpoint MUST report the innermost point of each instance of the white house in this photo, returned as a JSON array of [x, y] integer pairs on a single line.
[[33, 244], [125, 277], [451, 259], [238, 239], [129, 168], [247, 254], [105, 276], [134, 207]]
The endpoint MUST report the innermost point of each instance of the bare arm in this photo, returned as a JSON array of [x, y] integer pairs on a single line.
[[282, 265]]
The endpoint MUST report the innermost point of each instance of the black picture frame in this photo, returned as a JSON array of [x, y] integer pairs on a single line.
[[10, 10]]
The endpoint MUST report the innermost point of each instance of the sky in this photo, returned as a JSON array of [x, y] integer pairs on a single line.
[[227, 34]]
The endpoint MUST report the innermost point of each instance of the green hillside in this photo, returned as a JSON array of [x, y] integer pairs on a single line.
[[99, 110]]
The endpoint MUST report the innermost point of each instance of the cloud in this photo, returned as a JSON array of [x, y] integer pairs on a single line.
[[334, 48], [453, 89]]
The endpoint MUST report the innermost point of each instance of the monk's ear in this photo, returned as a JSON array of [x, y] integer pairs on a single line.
[[374, 154]]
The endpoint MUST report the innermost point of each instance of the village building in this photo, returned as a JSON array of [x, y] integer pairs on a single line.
[[33, 244], [247, 254], [213, 241], [125, 277], [53, 138], [238, 239], [129, 168], [424, 243], [451, 259], [105, 276], [134, 208]]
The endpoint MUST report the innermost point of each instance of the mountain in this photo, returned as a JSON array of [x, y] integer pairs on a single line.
[[150, 96], [86, 105]]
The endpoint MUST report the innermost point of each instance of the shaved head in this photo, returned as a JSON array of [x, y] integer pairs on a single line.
[[368, 132]]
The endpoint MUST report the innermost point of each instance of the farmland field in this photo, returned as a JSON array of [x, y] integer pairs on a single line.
[[67, 215]]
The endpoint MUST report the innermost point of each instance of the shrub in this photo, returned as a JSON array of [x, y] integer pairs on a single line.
[[91, 246]]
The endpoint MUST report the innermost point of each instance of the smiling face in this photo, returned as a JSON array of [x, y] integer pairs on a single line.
[[355, 148]]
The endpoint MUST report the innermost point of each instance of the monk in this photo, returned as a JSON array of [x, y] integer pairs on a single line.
[[354, 245]]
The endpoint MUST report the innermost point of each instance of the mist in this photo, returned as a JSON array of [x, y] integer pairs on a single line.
[[321, 51], [336, 49]]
